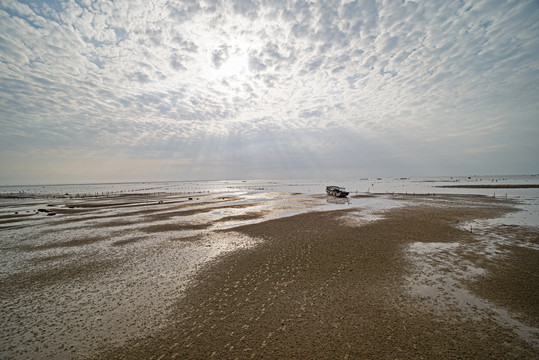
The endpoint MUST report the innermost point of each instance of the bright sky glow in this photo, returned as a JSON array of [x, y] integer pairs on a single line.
[[95, 91]]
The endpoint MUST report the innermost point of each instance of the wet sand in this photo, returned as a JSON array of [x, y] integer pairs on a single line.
[[107, 269], [319, 286]]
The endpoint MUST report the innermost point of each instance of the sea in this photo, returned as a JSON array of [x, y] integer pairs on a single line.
[[89, 266], [419, 185]]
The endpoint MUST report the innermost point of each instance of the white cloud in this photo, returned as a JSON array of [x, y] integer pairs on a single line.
[[134, 77]]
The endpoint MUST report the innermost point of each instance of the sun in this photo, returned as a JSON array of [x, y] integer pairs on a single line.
[[236, 67], [230, 61]]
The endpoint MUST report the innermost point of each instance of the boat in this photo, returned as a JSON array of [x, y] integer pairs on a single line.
[[336, 191]]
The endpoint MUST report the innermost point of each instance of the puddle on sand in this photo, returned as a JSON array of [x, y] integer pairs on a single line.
[[370, 209], [438, 274]]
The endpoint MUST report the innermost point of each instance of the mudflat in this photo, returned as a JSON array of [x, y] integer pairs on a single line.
[[416, 283]]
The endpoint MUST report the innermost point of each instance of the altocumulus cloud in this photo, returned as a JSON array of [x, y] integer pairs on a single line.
[[138, 90]]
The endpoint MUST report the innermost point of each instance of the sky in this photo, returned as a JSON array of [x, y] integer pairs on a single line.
[[113, 91]]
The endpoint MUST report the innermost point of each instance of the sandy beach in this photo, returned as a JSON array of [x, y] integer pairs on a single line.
[[268, 275], [319, 286]]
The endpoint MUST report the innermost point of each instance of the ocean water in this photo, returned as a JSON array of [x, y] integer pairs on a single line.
[[113, 260], [420, 185]]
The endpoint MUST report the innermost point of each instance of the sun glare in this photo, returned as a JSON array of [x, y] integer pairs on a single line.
[[234, 67]]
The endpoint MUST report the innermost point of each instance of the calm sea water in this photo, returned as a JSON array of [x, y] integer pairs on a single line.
[[420, 185]]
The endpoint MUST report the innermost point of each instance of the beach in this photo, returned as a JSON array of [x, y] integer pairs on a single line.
[[274, 276], [316, 288]]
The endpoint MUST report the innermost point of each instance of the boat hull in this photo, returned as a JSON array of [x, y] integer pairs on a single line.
[[336, 191]]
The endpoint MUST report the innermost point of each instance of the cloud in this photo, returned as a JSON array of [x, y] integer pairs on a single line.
[[248, 8], [256, 65], [128, 75], [219, 56]]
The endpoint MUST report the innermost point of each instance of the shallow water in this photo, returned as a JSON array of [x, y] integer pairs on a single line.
[[420, 185]]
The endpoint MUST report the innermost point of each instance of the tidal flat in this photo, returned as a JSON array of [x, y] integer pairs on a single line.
[[268, 275]]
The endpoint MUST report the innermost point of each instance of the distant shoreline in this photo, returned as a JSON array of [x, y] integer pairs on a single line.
[[497, 186]]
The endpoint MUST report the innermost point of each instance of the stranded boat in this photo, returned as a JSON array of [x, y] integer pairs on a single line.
[[336, 191]]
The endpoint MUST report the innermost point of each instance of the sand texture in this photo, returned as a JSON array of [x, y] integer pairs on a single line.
[[415, 284]]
